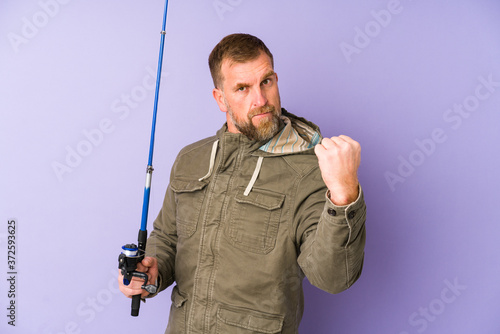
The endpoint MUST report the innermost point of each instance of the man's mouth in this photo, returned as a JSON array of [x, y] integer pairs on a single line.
[[263, 112]]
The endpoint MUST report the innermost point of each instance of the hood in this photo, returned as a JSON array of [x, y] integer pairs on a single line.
[[296, 135]]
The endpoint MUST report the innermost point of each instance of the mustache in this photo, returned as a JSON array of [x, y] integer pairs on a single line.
[[261, 110]]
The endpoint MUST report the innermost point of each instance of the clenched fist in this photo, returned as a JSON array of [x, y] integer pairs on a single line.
[[339, 159]]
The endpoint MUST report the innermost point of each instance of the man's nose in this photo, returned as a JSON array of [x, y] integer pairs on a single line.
[[259, 98]]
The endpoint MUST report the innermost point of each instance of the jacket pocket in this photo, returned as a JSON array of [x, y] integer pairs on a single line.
[[255, 220], [189, 196], [177, 317], [243, 321]]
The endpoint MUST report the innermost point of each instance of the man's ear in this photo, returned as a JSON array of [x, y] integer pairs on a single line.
[[219, 98]]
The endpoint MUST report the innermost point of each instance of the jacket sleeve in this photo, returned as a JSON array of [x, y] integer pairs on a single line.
[[162, 241], [331, 238]]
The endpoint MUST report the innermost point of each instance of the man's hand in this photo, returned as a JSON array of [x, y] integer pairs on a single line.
[[339, 159], [149, 266]]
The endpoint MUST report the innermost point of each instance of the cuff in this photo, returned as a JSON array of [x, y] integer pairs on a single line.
[[350, 211]]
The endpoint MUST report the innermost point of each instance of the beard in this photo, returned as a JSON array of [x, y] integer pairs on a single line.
[[265, 130]]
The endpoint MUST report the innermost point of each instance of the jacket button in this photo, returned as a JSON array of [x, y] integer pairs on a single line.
[[351, 214], [332, 212]]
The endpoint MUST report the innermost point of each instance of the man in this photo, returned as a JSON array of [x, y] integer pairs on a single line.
[[253, 209]]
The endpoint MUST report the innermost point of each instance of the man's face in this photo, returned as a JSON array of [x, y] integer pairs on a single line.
[[250, 98]]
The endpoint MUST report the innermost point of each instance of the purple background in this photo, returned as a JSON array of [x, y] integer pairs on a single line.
[[70, 67]]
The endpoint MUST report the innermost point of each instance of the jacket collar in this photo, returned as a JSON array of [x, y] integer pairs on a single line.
[[295, 134]]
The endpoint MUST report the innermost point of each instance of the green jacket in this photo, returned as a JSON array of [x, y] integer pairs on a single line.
[[242, 223]]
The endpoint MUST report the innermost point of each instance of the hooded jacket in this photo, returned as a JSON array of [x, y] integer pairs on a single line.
[[242, 223]]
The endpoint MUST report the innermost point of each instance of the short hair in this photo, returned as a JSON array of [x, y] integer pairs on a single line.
[[238, 48]]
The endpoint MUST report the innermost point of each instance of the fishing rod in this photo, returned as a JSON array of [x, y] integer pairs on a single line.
[[133, 254]]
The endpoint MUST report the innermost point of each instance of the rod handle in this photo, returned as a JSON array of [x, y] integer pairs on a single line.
[[136, 303]]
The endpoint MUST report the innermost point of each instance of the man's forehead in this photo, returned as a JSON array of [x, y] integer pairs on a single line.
[[258, 66]]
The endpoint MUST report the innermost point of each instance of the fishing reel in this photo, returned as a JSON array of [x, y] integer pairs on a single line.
[[127, 262]]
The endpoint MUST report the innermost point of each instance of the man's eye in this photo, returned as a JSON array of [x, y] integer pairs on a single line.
[[241, 89], [267, 81]]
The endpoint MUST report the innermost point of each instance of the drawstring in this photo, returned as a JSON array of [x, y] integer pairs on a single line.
[[254, 176], [212, 161]]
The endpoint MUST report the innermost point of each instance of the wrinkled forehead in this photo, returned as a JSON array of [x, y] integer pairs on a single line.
[[240, 70]]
